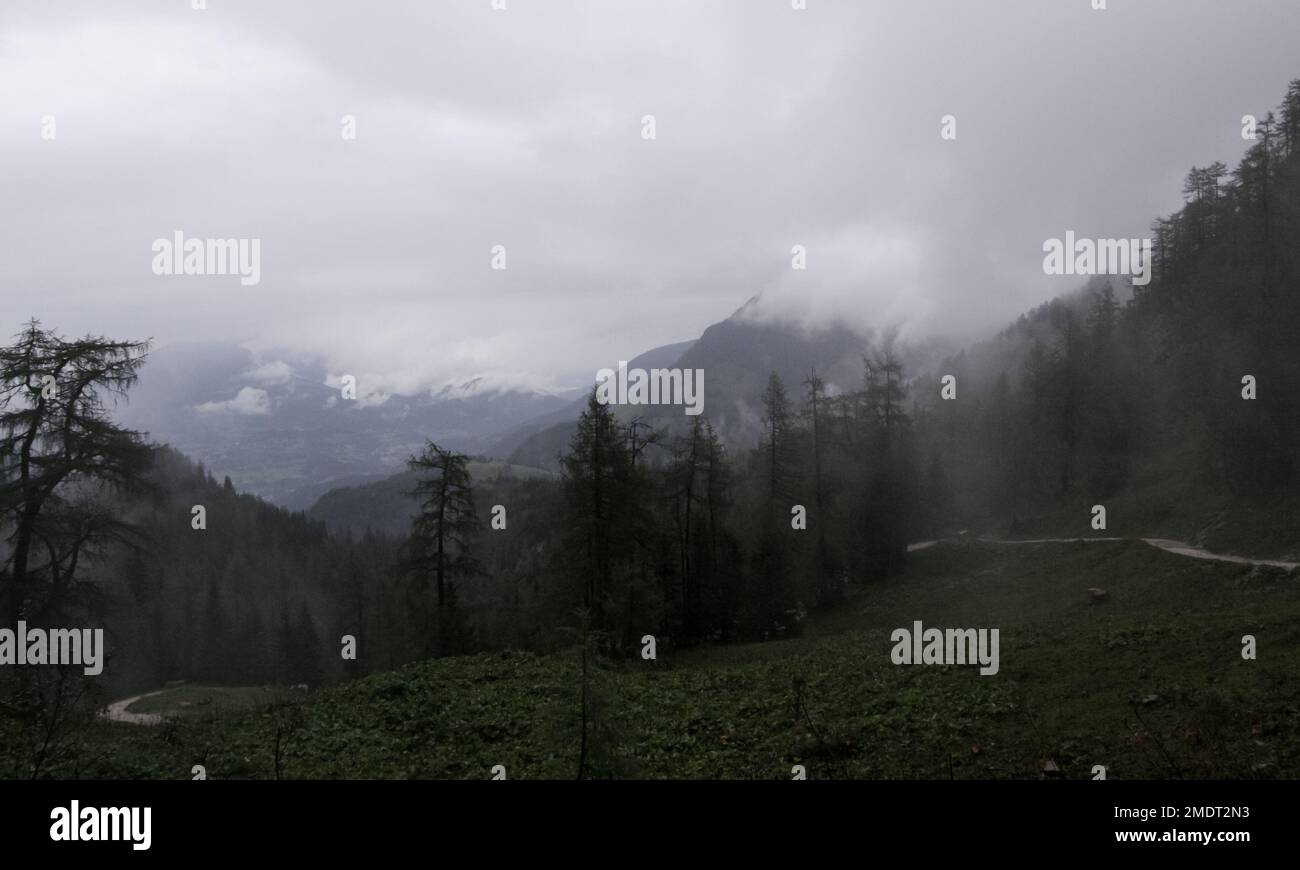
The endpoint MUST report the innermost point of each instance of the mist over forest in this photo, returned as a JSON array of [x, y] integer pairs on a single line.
[[316, 546]]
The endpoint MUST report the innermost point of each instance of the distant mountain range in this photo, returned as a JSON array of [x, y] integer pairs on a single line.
[[279, 431], [737, 355]]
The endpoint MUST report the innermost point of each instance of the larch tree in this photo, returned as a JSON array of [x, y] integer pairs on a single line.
[[443, 532], [599, 492], [64, 466], [62, 460]]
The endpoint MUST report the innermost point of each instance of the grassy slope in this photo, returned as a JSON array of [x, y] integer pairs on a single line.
[[1151, 684]]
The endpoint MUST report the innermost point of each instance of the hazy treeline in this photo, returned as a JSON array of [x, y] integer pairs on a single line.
[[1090, 397], [680, 538], [259, 595]]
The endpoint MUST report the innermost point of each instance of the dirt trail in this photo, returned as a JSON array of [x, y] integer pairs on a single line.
[[116, 712], [1197, 553], [1179, 548]]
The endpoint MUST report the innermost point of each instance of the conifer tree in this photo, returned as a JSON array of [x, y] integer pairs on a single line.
[[443, 532]]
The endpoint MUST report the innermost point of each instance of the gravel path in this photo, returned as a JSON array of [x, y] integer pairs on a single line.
[[1177, 547], [116, 712]]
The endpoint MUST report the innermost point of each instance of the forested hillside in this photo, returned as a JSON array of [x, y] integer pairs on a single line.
[[1142, 404], [259, 595]]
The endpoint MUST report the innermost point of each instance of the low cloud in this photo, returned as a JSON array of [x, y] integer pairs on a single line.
[[271, 373], [522, 128], [249, 400]]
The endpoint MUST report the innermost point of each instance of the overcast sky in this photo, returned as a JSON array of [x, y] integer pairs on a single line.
[[522, 128]]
